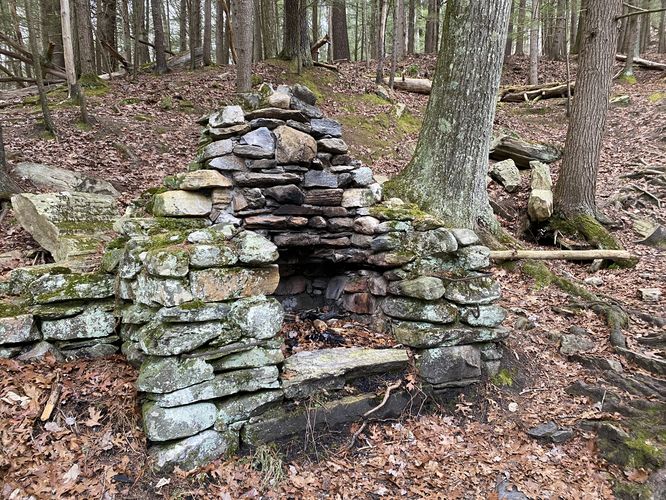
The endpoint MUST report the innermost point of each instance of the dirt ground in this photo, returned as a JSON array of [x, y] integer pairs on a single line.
[[476, 447]]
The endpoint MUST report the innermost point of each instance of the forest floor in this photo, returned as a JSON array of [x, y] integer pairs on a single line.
[[475, 448]]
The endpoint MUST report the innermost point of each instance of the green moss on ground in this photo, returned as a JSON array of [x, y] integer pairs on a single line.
[[504, 378]]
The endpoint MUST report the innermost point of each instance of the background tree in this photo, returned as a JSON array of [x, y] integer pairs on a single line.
[[399, 29], [447, 174], [534, 43], [160, 51], [207, 34], [520, 28], [296, 44], [242, 12], [339, 30]]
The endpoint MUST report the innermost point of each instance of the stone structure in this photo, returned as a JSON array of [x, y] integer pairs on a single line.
[[273, 215]]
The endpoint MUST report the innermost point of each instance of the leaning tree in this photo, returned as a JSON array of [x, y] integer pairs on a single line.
[[447, 174]]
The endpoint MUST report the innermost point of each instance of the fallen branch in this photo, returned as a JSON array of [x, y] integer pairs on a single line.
[[559, 254], [53, 399], [387, 394], [150, 44], [319, 44], [415, 85], [643, 62], [534, 93], [332, 67]]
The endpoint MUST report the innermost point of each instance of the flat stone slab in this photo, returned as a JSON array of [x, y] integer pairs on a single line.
[[15, 329], [165, 424], [195, 451], [311, 371], [91, 323], [62, 287]]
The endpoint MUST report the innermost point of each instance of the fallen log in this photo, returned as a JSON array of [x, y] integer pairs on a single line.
[[535, 92], [319, 44], [415, 85], [645, 63], [560, 254], [523, 152], [332, 67]]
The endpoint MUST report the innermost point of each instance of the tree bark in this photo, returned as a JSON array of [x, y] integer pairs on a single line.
[[296, 44], [520, 31], [509, 37], [68, 50], [632, 46], [447, 174], [51, 31], [220, 56], [106, 28], [257, 42], [432, 26], [574, 192], [662, 29], [340, 40], [534, 43], [242, 13], [411, 25], [268, 23], [574, 24], [194, 35], [645, 29], [160, 51], [182, 25], [560, 41], [399, 29], [207, 34], [581, 22], [383, 14]]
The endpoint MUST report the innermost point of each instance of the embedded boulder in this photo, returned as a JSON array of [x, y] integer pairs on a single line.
[[59, 179]]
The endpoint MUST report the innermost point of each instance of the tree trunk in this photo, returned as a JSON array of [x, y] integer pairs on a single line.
[[399, 29], [431, 27], [574, 192], [632, 47], [220, 57], [560, 41], [127, 34], [268, 23], [520, 31], [340, 40], [207, 34], [645, 29], [581, 22], [84, 38], [242, 13], [394, 49], [257, 42], [51, 31], [68, 48], [166, 12], [411, 25], [106, 28], [141, 54], [160, 54], [509, 36], [194, 12], [574, 25], [383, 14], [662, 29], [30, 11], [296, 44], [182, 25], [534, 43], [447, 174]]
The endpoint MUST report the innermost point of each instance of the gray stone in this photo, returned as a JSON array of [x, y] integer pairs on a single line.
[[216, 148], [91, 323], [650, 294], [540, 204], [279, 100], [293, 146], [224, 384], [306, 109], [260, 138], [543, 430], [39, 351], [227, 132], [474, 257], [204, 256], [257, 317], [418, 310], [358, 197], [214, 285], [152, 291], [333, 145], [450, 366], [488, 316], [325, 127], [507, 174], [465, 236], [9, 352], [20, 328], [194, 451], [50, 178], [480, 290], [168, 339], [421, 335], [133, 354], [424, 287], [289, 194], [362, 177], [320, 178], [226, 117], [366, 225], [228, 163], [165, 424], [304, 94], [245, 406], [254, 249], [162, 375], [197, 180], [167, 263], [218, 233], [181, 204], [576, 344], [259, 179], [193, 312], [253, 358], [307, 372], [139, 227], [90, 352]]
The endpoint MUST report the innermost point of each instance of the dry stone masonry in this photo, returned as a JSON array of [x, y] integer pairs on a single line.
[[273, 216]]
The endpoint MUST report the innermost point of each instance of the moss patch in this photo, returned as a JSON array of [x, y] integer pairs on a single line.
[[503, 378], [657, 97]]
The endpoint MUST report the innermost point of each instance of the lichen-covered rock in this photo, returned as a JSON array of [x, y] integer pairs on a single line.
[[194, 451], [133, 354], [253, 358], [333, 145], [198, 179], [194, 312], [165, 424], [229, 163], [203, 256], [170, 374], [478, 290], [242, 407], [474, 257], [322, 127], [216, 234], [49, 178], [418, 310], [488, 316], [257, 317], [254, 249], [455, 366], [181, 204], [294, 146], [424, 287], [421, 334], [576, 344], [168, 339], [359, 197], [168, 292], [226, 117], [137, 314], [91, 323], [16, 329], [224, 384], [540, 204], [308, 372], [89, 351], [540, 176], [167, 263], [465, 236], [60, 287], [507, 174], [214, 285]]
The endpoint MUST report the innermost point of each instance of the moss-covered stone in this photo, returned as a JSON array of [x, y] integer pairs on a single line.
[[160, 375], [62, 287]]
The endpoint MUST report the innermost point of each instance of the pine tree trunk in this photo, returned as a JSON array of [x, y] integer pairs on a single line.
[[632, 46], [560, 42], [106, 28], [447, 174], [411, 25], [340, 34], [509, 37], [268, 23], [399, 29], [127, 39], [574, 192], [84, 38], [160, 53], [574, 25], [296, 44], [166, 13], [242, 12], [662, 29], [220, 57], [581, 22], [645, 28], [431, 27], [182, 25], [520, 31], [534, 43], [195, 14], [257, 42], [383, 14]]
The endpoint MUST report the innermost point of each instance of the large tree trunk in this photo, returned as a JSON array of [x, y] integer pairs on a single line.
[[141, 54], [127, 33], [581, 22], [268, 33], [411, 25], [560, 40], [182, 25], [106, 29], [509, 37], [242, 13], [383, 14], [574, 24], [84, 38], [51, 31], [296, 45], [432, 27], [574, 192], [194, 31], [662, 29], [160, 53], [645, 29], [257, 42], [208, 33], [399, 29], [632, 46], [339, 31], [220, 57], [534, 43], [447, 174], [520, 31]]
